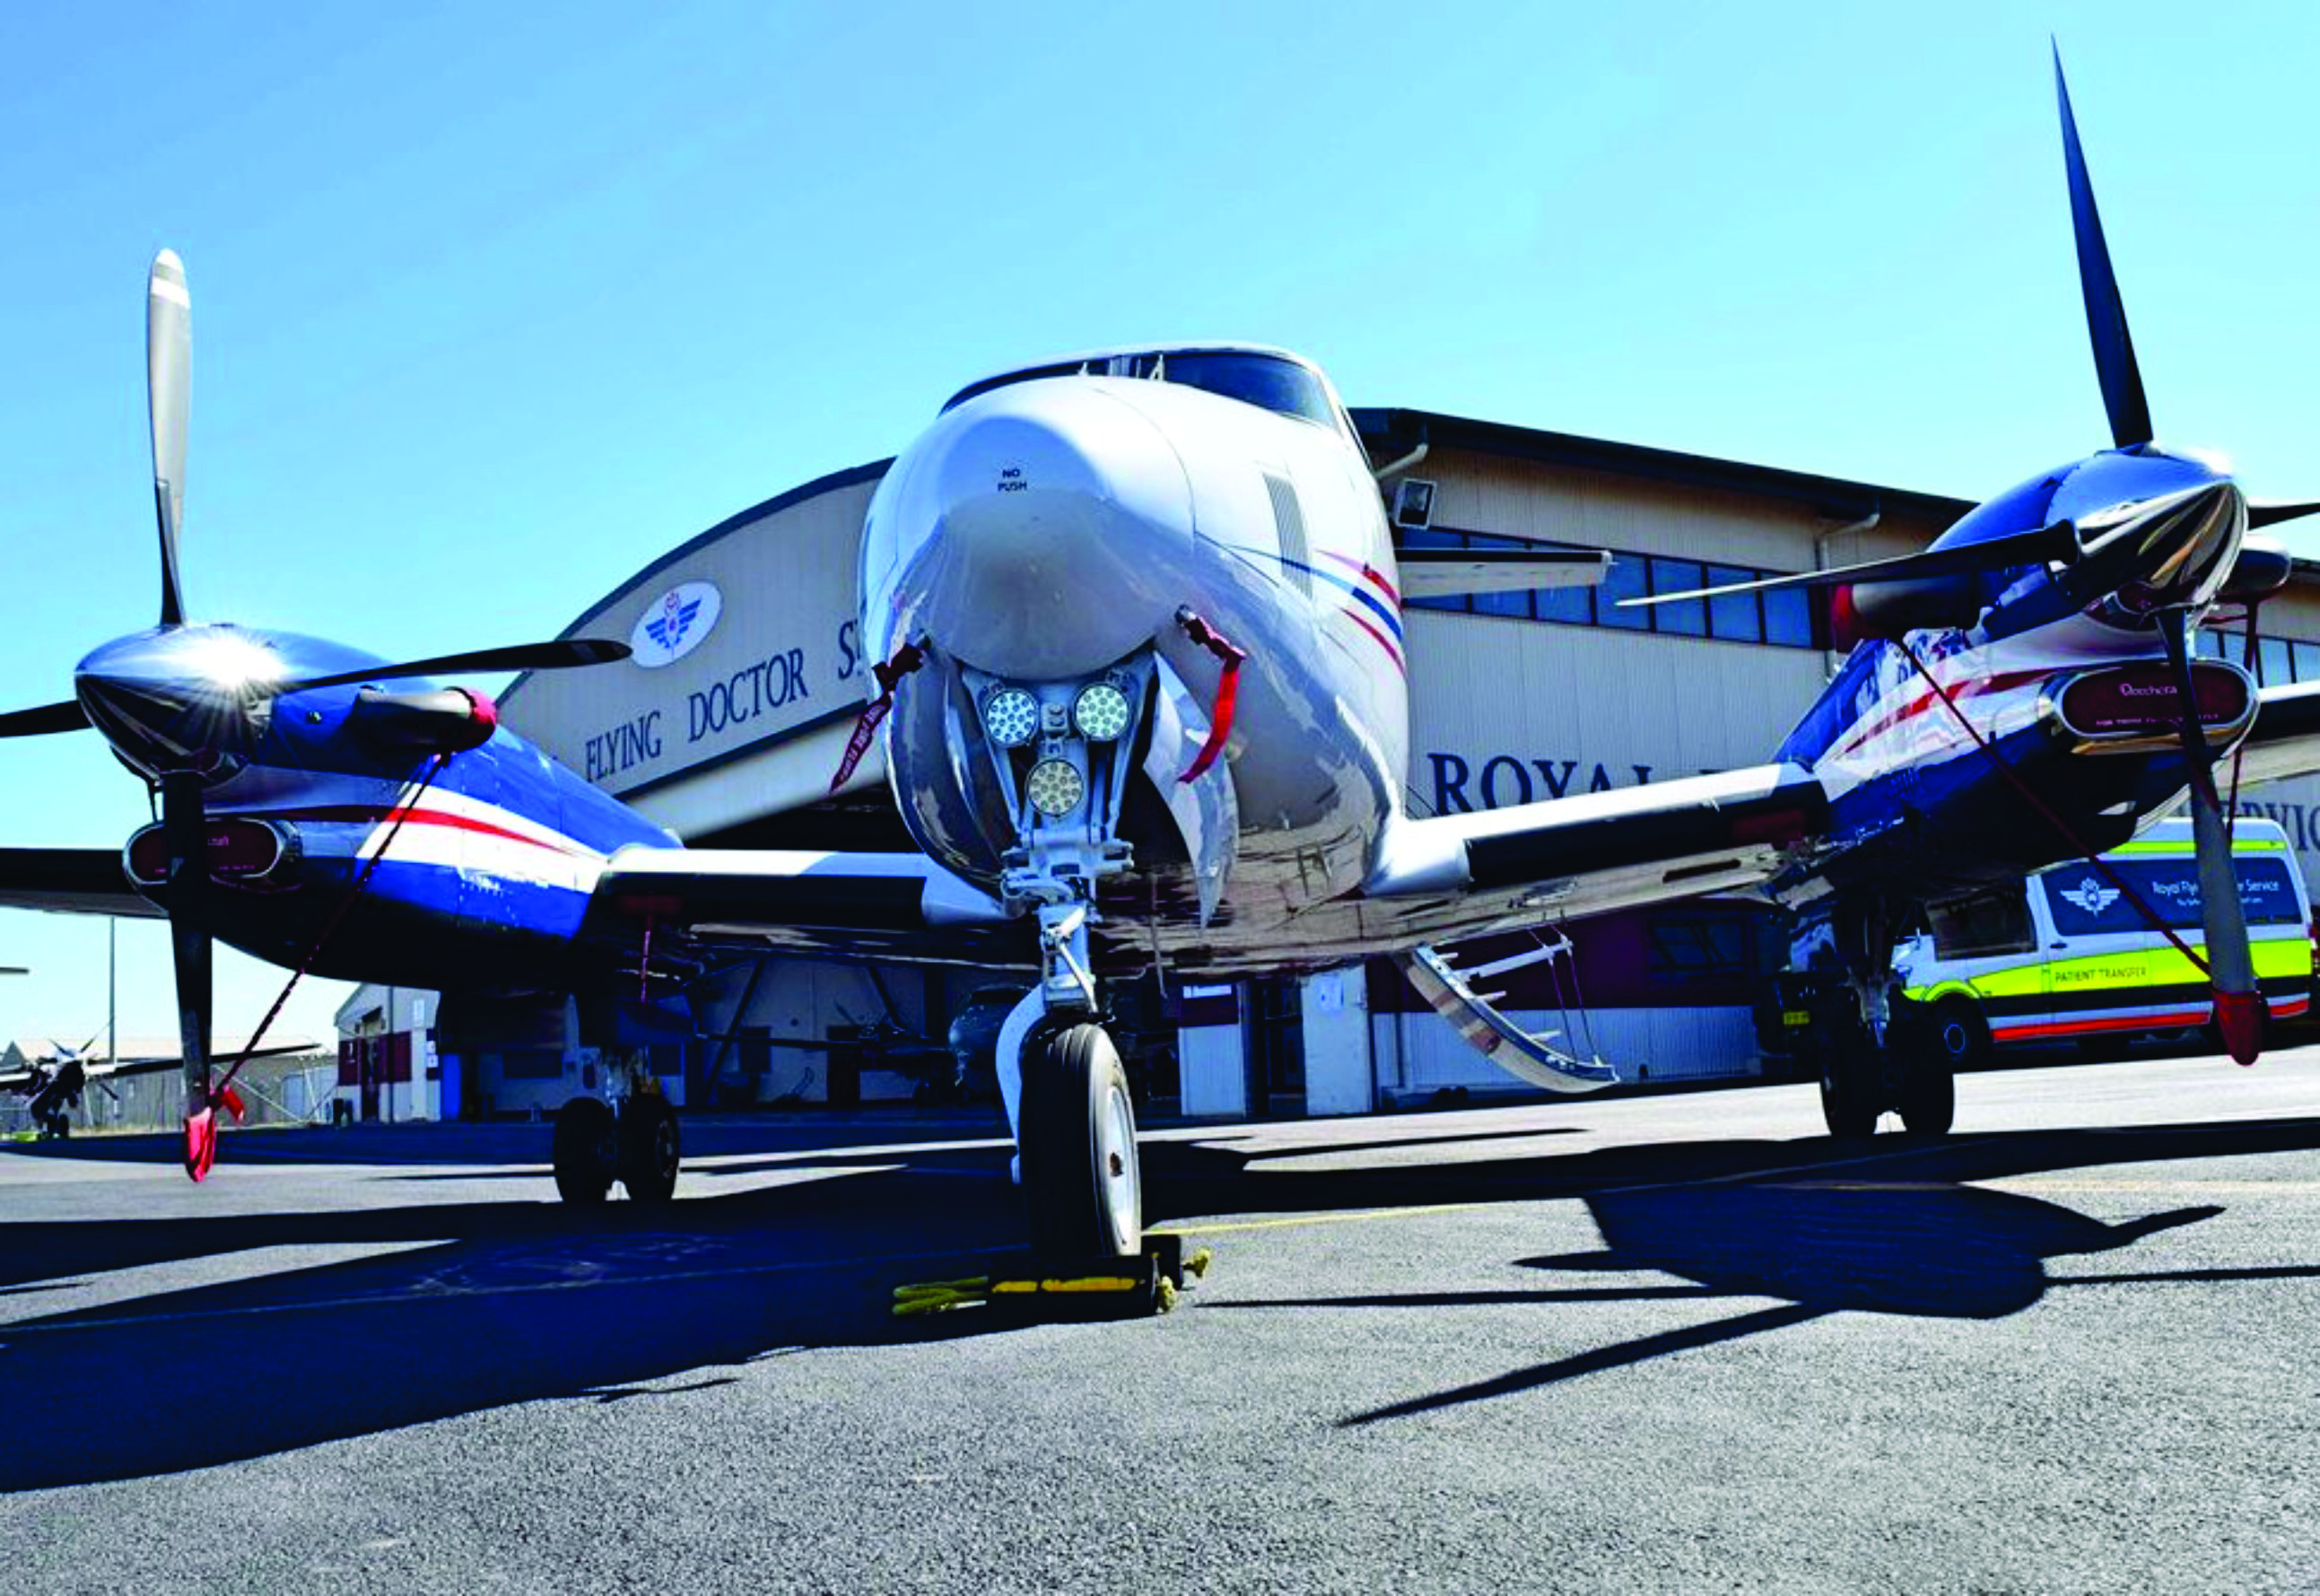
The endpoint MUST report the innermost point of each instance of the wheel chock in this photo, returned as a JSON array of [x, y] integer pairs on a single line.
[[1068, 1288]]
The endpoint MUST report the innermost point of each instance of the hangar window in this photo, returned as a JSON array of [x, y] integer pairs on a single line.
[[1515, 603], [1736, 616], [1788, 617], [2283, 659], [2272, 657], [1572, 606], [1688, 617], [1435, 540], [1630, 576], [1784, 618]]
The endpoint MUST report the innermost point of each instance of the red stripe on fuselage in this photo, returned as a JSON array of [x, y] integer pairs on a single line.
[[1925, 700], [358, 814], [1369, 571], [1390, 651]]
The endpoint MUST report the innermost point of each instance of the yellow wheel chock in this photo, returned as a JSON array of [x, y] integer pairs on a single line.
[[1091, 1288]]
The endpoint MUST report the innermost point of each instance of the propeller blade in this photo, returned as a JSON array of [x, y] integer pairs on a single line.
[[2122, 384], [2265, 515], [184, 827], [168, 398], [2231, 965], [67, 716], [560, 656], [2058, 541]]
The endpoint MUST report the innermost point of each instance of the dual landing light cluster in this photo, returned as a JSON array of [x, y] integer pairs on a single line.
[[1014, 717]]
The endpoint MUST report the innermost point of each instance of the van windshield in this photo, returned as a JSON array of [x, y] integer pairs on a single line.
[[2085, 903], [1983, 924]]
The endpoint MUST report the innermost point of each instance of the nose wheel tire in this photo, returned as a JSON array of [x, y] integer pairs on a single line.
[[1080, 1174], [649, 1152], [586, 1153]]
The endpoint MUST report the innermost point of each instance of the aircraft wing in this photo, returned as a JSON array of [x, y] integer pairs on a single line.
[[2285, 739], [840, 904], [1443, 572], [71, 881], [1567, 857]]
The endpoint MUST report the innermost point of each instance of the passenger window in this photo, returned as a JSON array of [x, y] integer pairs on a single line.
[[1983, 924]]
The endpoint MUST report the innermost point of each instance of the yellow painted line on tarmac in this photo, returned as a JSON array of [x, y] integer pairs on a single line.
[[2243, 1187]]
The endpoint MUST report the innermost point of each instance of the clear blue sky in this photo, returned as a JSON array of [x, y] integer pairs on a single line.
[[493, 304]]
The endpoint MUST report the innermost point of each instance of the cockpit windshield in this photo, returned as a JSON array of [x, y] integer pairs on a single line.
[[1271, 382]]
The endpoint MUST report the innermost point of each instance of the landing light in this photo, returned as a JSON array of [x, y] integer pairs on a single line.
[[1055, 787], [1100, 711], [1011, 716]]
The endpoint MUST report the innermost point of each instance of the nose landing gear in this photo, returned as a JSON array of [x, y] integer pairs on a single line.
[[1080, 1178], [1063, 753]]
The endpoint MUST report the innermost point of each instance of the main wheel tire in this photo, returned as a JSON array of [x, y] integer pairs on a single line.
[[650, 1150], [1081, 1178], [1928, 1096], [586, 1153], [1850, 1078]]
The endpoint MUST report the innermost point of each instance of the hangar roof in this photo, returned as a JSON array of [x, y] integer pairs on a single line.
[[1390, 433]]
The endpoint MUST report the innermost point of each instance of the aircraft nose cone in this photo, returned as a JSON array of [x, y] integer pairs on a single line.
[[1062, 526]]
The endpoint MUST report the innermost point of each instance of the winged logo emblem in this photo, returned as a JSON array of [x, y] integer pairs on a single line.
[[675, 619], [2090, 896], [676, 623]]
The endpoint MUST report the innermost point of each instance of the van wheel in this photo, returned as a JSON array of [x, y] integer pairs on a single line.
[[1959, 1034]]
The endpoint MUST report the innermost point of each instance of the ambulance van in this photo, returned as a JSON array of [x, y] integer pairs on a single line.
[[2066, 955]]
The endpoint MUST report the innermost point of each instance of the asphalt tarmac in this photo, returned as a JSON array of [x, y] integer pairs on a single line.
[[1664, 1344]]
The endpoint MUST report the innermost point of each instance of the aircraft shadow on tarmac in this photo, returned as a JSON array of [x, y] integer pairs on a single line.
[[1743, 1221], [398, 1316]]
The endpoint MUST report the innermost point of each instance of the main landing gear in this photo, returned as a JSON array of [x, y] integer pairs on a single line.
[[1876, 1052], [637, 1145]]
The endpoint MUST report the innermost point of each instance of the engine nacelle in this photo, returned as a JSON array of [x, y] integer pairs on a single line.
[[1892, 609], [444, 720]]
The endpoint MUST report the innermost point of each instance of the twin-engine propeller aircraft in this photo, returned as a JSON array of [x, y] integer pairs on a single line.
[[1144, 703], [53, 1084]]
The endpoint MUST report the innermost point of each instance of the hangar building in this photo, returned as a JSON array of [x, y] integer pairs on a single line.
[[730, 722]]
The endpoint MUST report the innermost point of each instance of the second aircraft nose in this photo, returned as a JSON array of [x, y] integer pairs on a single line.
[[1062, 527]]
